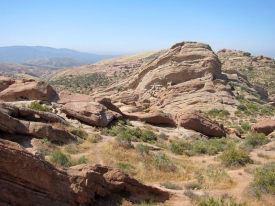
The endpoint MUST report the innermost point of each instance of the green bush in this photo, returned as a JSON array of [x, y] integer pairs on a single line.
[[37, 106], [176, 148], [256, 139], [141, 148], [234, 157], [241, 107], [148, 136], [60, 158], [79, 132], [163, 163], [81, 160], [240, 97], [264, 179], [72, 148], [245, 126]]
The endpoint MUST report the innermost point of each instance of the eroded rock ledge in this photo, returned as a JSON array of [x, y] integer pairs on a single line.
[[25, 179]]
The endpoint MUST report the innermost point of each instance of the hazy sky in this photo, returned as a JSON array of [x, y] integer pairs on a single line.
[[133, 26]]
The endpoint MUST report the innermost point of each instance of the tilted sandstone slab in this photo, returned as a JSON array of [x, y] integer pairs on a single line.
[[92, 113], [196, 121], [38, 129], [25, 179], [16, 90]]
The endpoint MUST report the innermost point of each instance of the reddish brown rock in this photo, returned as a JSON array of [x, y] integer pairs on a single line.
[[92, 113], [26, 179], [37, 129], [152, 118], [196, 121], [27, 90], [265, 126]]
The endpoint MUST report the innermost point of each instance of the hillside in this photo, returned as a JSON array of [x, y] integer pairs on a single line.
[[21, 54], [174, 128], [259, 70], [110, 69]]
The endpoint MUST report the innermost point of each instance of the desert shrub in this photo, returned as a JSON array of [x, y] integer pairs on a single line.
[[79, 132], [213, 112], [72, 148], [60, 158], [163, 163], [148, 135], [148, 203], [240, 97], [254, 107], [142, 149], [124, 140], [263, 180], [241, 107], [267, 110], [256, 139], [125, 167], [232, 86], [192, 186], [80, 160], [245, 126], [170, 185], [94, 138], [235, 157], [37, 106], [218, 202], [176, 148]]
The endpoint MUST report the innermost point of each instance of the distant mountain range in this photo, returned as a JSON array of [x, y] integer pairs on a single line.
[[21, 54]]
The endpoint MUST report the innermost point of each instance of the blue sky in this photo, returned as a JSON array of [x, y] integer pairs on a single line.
[[134, 26]]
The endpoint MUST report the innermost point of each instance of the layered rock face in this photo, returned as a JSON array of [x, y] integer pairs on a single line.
[[187, 76], [16, 90], [25, 179]]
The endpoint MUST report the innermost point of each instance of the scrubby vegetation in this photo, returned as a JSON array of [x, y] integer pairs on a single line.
[[234, 158], [84, 84], [263, 181], [37, 106]]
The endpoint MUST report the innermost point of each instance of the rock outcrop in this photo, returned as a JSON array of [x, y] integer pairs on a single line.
[[196, 121], [37, 129], [66, 97], [186, 76], [25, 179], [266, 126], [92, 113], [16, 90], [152, 118]]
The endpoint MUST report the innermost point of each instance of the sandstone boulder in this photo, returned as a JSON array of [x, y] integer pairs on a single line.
[[48, 185], [265, 126], [196, 121], [152, 118], [92, 113], [41, 130], [16, 90]]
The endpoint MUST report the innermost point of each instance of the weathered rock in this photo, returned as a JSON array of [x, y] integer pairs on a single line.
[[5, 82], [28, 90], [232, 133], [26, 179], [196, 121], [266, 126], [91, 113], [32, 115], [66, 97], [37, 129], [152, 118]]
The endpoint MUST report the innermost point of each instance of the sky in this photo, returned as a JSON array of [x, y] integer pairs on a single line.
[[121, 27]]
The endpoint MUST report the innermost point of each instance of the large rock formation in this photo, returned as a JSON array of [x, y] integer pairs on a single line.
[[25, 179], [187, 76], [16, 90], [91, 113]]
